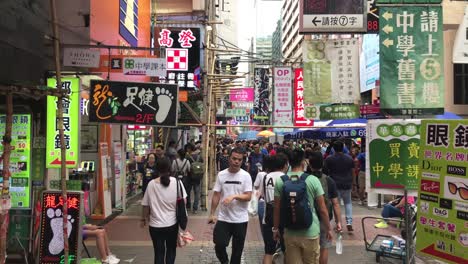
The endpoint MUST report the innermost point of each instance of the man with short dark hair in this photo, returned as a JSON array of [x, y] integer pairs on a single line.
[[234, 188], [255, 161], [340, 167]]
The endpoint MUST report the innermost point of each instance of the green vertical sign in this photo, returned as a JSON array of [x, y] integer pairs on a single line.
[[71, 115], [20, 160], [393, 154], [317, 72], [443, 190], [412, 58]]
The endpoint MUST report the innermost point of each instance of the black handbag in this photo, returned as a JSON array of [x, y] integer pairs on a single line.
[[181, 211]]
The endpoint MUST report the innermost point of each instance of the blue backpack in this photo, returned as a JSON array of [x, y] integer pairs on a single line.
[[296, 210]]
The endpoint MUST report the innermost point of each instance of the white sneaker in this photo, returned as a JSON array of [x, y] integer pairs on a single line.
[[114, 258], [109, 260]]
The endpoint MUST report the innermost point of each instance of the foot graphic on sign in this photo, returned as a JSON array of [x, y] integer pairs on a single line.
[[164, 102], [56, 224]]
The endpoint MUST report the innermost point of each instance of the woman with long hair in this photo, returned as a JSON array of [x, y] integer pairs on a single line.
[[159, 212]]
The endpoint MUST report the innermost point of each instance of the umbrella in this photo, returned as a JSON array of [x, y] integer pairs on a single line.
[[265, 133], [248, 135], [448, 115]]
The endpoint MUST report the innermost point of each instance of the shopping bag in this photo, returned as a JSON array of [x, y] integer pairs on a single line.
[[181, 210], [184, 238], [278, 257], [253, 204]]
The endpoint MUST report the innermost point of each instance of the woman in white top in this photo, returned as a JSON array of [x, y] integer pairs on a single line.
[[159, 210]]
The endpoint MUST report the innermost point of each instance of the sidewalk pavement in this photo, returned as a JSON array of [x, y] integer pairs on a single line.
[[132, 244]]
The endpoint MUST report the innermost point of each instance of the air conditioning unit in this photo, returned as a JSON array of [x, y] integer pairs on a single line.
[[198, 5]]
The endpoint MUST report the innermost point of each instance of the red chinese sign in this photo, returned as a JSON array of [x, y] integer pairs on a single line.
[[177, 59], [299, 112]]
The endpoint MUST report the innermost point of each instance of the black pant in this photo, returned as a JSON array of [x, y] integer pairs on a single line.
[[222, 233], [164, 243]]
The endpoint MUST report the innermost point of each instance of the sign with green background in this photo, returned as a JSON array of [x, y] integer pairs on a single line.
[[393, 153], [20, 160], [328, 111], [317, 73], [71, 115], [442, 220], [409, 2], [412, 60]]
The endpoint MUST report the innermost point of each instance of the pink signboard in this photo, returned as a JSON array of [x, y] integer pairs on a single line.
[[242, 95]]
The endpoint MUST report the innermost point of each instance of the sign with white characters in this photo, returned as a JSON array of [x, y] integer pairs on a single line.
[[332, 16], [299, 107], [133, 103]]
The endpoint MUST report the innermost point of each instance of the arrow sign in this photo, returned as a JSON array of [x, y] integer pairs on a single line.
[[315, 21], [387, 15], [58, 162], [388, 42], [387, 29], [307, 122]]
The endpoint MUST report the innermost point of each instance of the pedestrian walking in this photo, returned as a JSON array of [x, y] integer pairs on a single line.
[[148, 170], [295, 193], [233, 188], [340, 168], [159, 212], [194, 178]]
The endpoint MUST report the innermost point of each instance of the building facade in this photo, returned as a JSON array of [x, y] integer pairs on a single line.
[[291, 39]]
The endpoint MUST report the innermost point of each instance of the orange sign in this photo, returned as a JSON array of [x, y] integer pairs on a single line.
[[183, 96]]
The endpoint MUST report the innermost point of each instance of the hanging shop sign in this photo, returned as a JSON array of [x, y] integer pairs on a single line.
[[372, 17], [332, 16], [221, 132], [402, 2], [443, 192], [412, 58], [20, 160], [393, 153], [76, 57], [236, 112], [128, 22], [71, 119], [262, 93], [182, 49], [329, 111], [242, 95], [144, 66], [370, 73], [133, 103], [51, 248], [331, 71], [282, 112], [299, 106]]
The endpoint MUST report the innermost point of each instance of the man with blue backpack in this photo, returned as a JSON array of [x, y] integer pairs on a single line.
[[294, 210]]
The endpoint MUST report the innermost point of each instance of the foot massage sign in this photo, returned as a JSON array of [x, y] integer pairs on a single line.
[[51, 250], [133, 103], [442, 219]]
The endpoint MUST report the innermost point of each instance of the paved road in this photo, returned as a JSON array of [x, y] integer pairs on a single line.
[[132, 244]]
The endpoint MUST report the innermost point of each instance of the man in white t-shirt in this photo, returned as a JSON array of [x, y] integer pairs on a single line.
[[233, 188]]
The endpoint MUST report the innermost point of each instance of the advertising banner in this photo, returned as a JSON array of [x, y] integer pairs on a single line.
[[371, 68], [282, 112], [133, 103], [182, 49], [332, 16], [443, 193], [331, 71], [144, 66], [329, 111], [242, 95], [393, 150], [412, 58], [51, 236], [299, 107], [71, 121], [262, 94], [236, 112], [20, 160]]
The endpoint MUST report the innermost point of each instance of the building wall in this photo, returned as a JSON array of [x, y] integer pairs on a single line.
[[291, 40], [277, 53]]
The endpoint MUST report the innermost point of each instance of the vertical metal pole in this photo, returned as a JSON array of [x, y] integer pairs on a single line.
[[63, 149]]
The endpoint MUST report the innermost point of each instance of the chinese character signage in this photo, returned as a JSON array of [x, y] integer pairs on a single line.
[[235, 112], [299, 107], [133, 103], [329, 111], [331, 71], [128, 22], [443, 192], [144, 66], [262, 93], [71, 119], [332, 16], [282, 112], [51, 236], [182, 49], [372, 17], [242, 95], [412, 58], [393, 148], [20, 160]]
